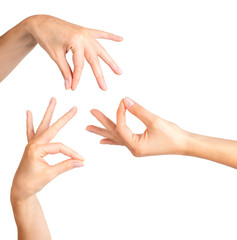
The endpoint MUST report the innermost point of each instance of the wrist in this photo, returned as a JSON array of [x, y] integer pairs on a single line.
[[33, 24], [18, 195], [188, 145], [29, 25], [185, 147]]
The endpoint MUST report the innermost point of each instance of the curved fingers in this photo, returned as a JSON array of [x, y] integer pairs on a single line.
[[78, 62], [140, 112], [125, 132], [64, 166], [65, 69], [102, 53], [93, 60], [54, 148]]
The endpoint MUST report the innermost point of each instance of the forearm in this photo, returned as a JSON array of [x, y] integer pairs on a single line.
[[215, 149], [30, 220], [14, 46]]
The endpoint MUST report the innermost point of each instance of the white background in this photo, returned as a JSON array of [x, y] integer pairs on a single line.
[[179, 60]]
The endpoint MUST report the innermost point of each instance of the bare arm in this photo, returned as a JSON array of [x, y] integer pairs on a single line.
[[30, 220], [14, 46], [161, 137], [34, 173], [57, 37]]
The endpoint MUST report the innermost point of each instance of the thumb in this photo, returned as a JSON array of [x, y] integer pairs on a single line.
[[65, 166], [140, 112], [65, 69]]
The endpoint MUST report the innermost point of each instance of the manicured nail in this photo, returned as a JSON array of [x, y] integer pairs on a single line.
[[129, 102], [67, 83], [78, 164], [72, 109], [104, 86], [119, 70]]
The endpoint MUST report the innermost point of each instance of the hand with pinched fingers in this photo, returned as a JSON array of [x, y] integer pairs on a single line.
[[160, 137], [58, 37], [34, 172]]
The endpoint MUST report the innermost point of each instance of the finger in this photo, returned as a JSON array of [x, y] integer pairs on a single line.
[[52, 131], [105, 35], [140, 112], [65, 69], [78, 62], [47, 117], [106, 122], [99, 131], [54, 148], [96, 68], [64, 166], [108, 141], [109, 60], [29, 126], [124, 131]]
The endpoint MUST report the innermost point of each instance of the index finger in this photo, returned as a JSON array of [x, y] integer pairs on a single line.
[[52, 131], [105, 35]]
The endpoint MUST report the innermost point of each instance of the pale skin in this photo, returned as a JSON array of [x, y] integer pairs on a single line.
[[34, 173], [57, 38], [161, 137]]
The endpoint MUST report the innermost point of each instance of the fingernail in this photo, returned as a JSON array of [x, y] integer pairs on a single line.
[[72, 109], [67, 83], [78, 164], [129, 102], [50, 101], [119, 70], [104, 86]]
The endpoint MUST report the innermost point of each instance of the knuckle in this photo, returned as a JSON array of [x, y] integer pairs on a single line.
[[79, 36], [32, 149], [154, 122], [137, 151]]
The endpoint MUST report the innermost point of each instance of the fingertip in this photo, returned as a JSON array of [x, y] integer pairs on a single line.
[[128, 102], [80, 158], [28, 113], [120, 38], [74, 85], [52, 100], [119, 71], [103, 86], [73, 110], [73, 88], [93, 111], [67, 84], [78, 164], [88, 128]]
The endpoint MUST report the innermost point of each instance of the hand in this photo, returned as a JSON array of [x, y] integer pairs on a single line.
[[34, 172], [160, 137], [57, 37]]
